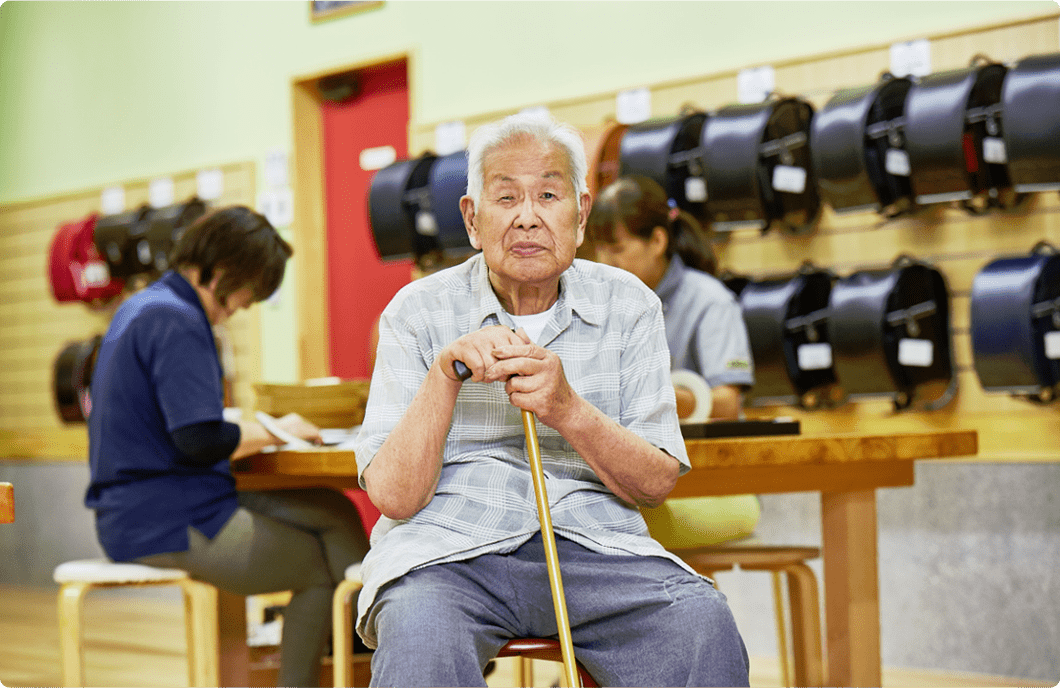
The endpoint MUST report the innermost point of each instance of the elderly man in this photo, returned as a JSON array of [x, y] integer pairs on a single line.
[[457, 563]]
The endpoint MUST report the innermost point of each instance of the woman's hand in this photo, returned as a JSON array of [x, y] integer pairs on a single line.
[[300, 428]]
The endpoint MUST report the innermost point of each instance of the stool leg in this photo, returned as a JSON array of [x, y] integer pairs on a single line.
[[805, 625], [342, 631], [524, 671], [71, 648], [201, 627], [782, 634]]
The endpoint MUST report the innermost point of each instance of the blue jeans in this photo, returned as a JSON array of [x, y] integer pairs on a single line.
[[635, 621]]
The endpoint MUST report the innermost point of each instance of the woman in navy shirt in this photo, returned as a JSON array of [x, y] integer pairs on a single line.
[[159, 448]]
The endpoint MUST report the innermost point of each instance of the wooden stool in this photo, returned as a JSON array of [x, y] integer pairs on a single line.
[[527, 649], [802, 594], [348, 669], [7, 503], [77, 578]]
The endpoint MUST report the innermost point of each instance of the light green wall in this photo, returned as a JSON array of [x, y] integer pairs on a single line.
[[97, 92]]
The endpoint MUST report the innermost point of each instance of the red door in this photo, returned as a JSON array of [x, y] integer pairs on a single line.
[[359, 284]]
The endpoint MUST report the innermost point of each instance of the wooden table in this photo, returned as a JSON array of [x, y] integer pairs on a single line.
[[845, 469]]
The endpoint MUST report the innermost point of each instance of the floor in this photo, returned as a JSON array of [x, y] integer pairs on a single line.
[[135, 638]]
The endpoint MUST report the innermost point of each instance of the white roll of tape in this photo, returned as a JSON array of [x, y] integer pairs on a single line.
[[694, 383]]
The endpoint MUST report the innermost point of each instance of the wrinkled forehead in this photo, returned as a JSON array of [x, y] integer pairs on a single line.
[[526, 158]]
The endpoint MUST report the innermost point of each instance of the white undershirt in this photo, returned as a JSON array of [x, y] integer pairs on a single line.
[[534, 324]]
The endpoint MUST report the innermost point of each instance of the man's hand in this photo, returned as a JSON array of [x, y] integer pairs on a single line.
[[534, 379], [476, 350]]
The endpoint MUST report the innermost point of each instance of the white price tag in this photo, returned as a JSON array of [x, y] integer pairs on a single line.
[[754, 85], [696, 189], [112, 200], [897, 162], [426, 224], [143, 252], [633, 105], [95, 274], [918, 353], [1052, 344], [994, 150], [789, 179], [377, 158], [912, 58], [450, 137], [816, 356], [209, 184], [160, 192]]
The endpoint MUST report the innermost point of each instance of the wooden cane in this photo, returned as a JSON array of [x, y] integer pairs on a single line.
[[548, 537]]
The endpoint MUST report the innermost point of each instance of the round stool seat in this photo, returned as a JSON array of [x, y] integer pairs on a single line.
[[104, 571], [747, 557]]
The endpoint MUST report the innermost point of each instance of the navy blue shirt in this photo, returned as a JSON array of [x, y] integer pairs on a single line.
[[157, 371]]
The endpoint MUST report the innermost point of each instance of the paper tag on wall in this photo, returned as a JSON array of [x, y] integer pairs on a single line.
[[276, 168], [277, 205], [450, 137], [209, 184], [917, 353], [160, 192], [789, 179], [1052, 345], [754, 85], [817, 356], [633, 105], [112, 200], [911, 58], [536, 110], [377, 158]]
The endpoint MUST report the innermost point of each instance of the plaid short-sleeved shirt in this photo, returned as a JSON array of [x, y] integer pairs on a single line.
[[608, 331]]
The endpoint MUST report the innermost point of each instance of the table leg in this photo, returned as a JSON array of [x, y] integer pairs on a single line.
[[851, 588]]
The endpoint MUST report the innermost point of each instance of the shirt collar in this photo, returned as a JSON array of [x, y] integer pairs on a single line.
[[671, 280], [573, 298], [180, 286]]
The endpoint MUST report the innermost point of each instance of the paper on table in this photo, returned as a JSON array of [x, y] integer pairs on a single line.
[[273, 427]]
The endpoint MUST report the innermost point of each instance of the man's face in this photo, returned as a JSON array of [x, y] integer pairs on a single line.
[[529, 221]]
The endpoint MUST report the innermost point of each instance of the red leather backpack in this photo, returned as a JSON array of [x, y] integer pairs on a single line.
[[77, 271]]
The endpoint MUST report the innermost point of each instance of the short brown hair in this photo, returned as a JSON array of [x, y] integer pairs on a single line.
[[240, 244]]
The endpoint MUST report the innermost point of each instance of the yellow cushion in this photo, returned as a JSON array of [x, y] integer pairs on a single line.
[[701, 521]]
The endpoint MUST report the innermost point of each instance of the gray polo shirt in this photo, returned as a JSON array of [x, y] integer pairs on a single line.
[[704, 326]]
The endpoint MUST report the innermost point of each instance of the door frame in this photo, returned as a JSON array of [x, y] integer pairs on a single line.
[[309, 229]]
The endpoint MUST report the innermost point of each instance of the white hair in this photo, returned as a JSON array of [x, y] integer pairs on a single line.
[[541, 126]]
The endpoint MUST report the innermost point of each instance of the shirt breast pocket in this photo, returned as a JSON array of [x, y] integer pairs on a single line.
[[600, 387]]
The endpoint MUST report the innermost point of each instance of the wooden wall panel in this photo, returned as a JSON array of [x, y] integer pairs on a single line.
[[954, 241], [35, 327]]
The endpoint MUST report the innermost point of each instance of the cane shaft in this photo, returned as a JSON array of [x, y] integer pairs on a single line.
[[548, 537]]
